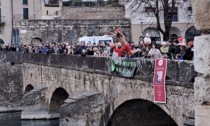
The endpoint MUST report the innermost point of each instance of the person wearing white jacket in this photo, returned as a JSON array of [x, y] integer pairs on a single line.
[[154, 52]]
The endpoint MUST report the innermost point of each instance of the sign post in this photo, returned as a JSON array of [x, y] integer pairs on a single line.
[[159, 80]]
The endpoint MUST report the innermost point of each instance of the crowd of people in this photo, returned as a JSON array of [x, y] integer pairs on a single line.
[[144, 48]]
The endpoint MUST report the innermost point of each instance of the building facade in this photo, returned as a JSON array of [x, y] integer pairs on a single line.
[[80, 19], [5, 21], [36, 9], [144, 21], [12, 11]]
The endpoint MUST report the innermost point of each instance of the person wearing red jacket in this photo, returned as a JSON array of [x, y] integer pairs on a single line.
[[127, 49]]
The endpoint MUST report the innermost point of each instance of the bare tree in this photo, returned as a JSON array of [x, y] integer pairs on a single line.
[[160, 9]]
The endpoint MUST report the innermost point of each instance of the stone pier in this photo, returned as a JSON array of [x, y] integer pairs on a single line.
[[201, 12]]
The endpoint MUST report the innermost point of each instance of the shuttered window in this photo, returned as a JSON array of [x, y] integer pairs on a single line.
[[25, 13], [25, 1]]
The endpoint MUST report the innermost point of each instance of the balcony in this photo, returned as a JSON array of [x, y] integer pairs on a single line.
[[19, 17], [54, 3], [2, 20]]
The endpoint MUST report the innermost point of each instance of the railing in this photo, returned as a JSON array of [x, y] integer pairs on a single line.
[[18, 17]]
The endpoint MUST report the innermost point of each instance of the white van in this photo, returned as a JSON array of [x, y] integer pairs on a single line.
[[95, 39]]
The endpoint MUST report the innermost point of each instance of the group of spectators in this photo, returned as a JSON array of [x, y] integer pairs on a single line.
[[176, 49], [144, 48]]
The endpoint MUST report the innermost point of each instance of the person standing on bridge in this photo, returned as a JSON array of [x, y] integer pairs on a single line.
[[126, 46], [155, 52]]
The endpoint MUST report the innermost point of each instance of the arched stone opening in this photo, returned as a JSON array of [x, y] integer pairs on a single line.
[[28, 88], [1, 42], [36, 40], [138, 112], [191, 32], [173, 37], [153, 32], [57, 99], [175, 33]]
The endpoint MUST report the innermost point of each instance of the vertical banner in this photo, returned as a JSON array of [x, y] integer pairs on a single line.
[[159, 80]]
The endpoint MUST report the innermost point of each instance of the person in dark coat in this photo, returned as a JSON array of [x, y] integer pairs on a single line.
[[177, 48], [190, 50]]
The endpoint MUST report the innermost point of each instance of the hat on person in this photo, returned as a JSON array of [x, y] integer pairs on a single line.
[[163, 43], [180, 39]]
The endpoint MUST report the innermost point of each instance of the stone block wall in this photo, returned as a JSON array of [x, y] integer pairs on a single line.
[[11, 81], [94, 12], [201, 10], [76, 73], [202, 81], [51, 30], [178, 72]]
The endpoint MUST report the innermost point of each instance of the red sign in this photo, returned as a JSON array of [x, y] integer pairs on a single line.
[[159, 80]]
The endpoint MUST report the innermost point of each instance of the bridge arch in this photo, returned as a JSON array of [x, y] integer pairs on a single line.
[[138, 112], [57, 99], [28, 88]]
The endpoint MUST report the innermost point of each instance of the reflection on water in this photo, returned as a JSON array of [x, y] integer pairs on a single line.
[[13, 119], [40, 123]]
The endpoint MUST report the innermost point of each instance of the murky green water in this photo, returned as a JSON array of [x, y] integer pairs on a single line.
[[13, 119]]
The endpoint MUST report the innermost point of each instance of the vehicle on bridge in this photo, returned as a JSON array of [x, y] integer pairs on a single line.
[[95, 39]]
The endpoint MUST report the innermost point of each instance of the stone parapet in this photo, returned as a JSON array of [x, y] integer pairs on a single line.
[[12, 57], [11, 81], [178, 72]]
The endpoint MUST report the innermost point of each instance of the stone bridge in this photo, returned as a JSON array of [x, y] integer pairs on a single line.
[[85, 93]]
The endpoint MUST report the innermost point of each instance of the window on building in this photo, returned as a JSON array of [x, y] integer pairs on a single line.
[[149, 11], [51, 3], [47, 12], [67, 3], [173, 14], [56, 13], [25, 1], [25, 13]]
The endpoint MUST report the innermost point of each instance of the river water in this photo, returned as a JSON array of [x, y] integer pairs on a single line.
[[13, 119]]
